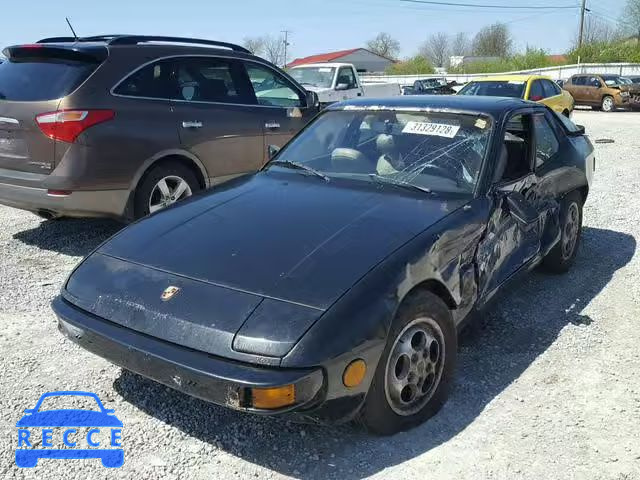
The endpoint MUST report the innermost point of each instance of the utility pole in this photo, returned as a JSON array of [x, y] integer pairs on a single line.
[[583, 9], [286, 45]]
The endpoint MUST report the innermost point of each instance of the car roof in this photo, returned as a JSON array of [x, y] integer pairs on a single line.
[[494, 106], [327, 65], [515, 78]]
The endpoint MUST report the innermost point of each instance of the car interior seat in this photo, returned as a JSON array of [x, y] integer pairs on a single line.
[[349, 160], [390, 159]]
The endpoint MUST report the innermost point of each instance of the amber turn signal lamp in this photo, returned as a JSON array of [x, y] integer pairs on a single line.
[[273, 398], [354, 373]]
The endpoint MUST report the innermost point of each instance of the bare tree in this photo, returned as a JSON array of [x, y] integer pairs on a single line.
[[274, 49], [596, 31], [629, 22], [254, 44], [385, 45], [493, 41], [460, 44], [436, 49]]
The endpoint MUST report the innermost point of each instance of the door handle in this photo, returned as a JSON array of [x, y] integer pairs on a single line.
[[272, 125], [191, 124]]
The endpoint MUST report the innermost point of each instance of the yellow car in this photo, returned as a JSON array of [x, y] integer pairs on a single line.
[[530, 87]]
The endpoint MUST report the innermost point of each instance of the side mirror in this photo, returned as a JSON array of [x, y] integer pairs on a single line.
[[580, 130], [342, 86], [272, 151], [313, 101], [524, 214]]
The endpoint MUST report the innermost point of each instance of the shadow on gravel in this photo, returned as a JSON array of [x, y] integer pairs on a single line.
[[522, 325], [69, 236]]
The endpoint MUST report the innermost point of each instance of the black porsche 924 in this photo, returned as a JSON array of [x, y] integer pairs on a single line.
[[333, 283]]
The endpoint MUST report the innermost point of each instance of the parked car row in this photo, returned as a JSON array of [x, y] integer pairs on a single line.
[[600, 91]]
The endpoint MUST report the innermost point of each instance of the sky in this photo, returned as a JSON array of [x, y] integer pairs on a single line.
[[317, 26]]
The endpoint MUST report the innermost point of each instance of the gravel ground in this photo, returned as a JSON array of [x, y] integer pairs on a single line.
[[549, 388]]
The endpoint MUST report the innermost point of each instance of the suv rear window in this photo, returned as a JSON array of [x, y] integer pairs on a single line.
[[41, 79]]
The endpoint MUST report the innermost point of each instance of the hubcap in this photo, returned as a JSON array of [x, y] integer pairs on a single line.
[[570, 231], [167, 191], [414, 367], [608, 104]]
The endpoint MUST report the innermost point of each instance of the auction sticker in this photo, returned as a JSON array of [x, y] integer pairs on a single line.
[[436, 129]]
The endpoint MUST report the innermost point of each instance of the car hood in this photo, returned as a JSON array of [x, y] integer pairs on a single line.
[[259, 262], [69, 418], [629, 88]]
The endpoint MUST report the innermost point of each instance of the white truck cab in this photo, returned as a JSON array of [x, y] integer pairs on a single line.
[[335, 82]]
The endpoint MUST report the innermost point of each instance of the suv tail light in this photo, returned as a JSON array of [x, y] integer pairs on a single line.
[[66, 125]]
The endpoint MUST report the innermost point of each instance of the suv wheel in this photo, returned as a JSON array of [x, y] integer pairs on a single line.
[[608, 105], [164, 185]]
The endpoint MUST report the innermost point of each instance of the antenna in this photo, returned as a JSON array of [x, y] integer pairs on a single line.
[[71, 27]]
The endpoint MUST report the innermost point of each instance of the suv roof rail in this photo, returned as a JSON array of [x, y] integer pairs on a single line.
[[119, 39], [96, 38], [133, 39]]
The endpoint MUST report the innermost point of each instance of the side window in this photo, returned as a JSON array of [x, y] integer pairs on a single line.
[[546, 141], [346, 76], [156, 80], [579, 81], [551, 89], [514, 159], [205, 79], [272, 89], [536, 93], [594, 82]]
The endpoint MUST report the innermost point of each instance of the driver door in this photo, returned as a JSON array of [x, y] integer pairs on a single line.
[[508, 245]]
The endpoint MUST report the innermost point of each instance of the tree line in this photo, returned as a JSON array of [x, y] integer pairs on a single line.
[[603, 41]]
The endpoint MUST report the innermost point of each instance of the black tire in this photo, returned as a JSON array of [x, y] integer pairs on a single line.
[[153, 176], [567, 113], [559, 259], [377, 414], [608, 104]]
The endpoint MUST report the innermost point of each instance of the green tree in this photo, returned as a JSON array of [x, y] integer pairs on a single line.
[[412, 66]]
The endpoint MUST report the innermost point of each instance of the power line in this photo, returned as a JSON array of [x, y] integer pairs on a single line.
[[477, 5]]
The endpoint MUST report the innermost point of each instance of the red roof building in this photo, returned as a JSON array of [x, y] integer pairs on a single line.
[[363, 59]]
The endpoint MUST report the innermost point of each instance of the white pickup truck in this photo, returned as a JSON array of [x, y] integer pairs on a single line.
[[335, 82]]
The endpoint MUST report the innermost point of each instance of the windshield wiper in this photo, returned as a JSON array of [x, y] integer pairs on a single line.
[[300, 166], [399, 183]]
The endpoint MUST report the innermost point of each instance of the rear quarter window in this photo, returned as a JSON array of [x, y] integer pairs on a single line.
[[41, 79]]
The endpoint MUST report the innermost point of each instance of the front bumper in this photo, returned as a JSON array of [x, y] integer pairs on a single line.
[[220, 381]]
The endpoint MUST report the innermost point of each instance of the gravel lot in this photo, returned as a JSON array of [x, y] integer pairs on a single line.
[[549, 388]]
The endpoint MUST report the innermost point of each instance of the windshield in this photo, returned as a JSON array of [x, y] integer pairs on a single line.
[[511, 88], [613, 80], [321, 77], [433, 83], [441, 152]]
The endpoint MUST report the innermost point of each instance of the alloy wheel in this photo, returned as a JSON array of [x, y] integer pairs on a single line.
[[570, 231], [168, 191], [414, 367]]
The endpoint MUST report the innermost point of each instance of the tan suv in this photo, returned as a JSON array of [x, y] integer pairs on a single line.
[[123, 126], [606, 92]]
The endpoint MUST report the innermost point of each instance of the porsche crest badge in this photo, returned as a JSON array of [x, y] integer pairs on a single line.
[[169, 293]]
